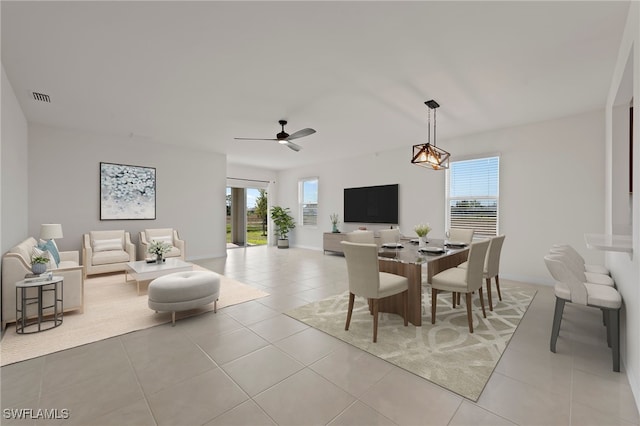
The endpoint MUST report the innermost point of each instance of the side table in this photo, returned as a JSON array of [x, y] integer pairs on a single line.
[[25, 297]]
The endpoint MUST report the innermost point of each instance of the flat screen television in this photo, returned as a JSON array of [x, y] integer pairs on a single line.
[[371, 204]]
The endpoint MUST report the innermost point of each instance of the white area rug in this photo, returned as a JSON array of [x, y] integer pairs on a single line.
[[444, 353], [112, 308]]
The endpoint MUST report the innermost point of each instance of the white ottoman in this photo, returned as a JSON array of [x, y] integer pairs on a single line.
[[181, 291]]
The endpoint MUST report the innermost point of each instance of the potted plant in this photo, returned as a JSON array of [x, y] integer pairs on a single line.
[[159, 248], [284, 223], [422, 231], [39, 264], [334, 221]]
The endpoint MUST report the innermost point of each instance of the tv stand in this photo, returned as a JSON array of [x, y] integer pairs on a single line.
[[331, 242]]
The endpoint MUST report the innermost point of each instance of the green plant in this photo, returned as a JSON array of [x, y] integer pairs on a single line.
[[40, 259], [283, 220], [334, 218], [159, 247], [422, 230]]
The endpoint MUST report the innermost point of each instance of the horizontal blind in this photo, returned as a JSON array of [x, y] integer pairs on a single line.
[[309, 201], [472, 189]]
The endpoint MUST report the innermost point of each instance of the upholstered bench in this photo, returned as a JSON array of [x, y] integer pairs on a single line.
[[181, 291]]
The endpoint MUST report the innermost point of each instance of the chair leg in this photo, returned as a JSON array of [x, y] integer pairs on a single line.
[[405, 307], [469, 319], [434, 302], [498, 287], [557, 319], [484, 313], [453, 299], [375, 320], [606, 313], [614, 324], [489, 293], [604, 318], [352, 297]]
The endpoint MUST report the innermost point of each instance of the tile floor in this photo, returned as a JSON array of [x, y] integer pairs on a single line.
[[251, 365]]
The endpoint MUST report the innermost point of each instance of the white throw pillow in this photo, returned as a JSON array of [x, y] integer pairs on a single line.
[[106, 245], [44, 253], [164, 239]]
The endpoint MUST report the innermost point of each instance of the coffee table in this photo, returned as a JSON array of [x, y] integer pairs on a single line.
[[143, 271]]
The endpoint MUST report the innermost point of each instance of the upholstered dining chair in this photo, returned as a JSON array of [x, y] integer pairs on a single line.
[[362, 237], [462, 280], [491, 266], [389, 236], [572, 252], [569, 289], [460, 235], [365, 280], [578, 270]]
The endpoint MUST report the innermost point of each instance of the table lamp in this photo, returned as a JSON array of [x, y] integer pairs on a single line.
[[49, 231]]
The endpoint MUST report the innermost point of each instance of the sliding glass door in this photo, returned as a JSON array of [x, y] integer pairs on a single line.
[[246, 217]]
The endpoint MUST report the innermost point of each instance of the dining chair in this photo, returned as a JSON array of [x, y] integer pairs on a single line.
[[389, 236], [460, 235], [569, 289], [362, 237], [578, 269], [491, 266], [577, 257], [366, 280], [462, 280]]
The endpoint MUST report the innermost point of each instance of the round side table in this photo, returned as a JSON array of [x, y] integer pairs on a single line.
[[34, 292]]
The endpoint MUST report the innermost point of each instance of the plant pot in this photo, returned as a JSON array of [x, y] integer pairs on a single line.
[[159, 258], [39, 268], [283, 243], [335, 228], [423, 241]]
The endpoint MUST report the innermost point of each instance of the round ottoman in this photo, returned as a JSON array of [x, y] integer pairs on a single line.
[[181, 291]]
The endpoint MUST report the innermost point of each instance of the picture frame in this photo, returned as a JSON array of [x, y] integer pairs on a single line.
[[127, 192]]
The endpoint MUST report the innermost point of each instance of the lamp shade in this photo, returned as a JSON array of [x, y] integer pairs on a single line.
[[49, 231]]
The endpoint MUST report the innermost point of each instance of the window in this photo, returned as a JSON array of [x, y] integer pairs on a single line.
[[308, 200], [472, 195]]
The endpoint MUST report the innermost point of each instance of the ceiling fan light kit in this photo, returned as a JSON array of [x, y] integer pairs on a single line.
[[428, 155], [285, 138]]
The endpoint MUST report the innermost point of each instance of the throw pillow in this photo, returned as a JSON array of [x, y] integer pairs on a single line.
[[106, 245], [50, 246], [44, 253]]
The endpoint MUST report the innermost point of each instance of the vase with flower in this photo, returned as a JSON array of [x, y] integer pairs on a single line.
[[422, 230], [159, 249], [334, 221]]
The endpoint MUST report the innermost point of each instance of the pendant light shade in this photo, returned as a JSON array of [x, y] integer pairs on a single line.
[[427, 154]]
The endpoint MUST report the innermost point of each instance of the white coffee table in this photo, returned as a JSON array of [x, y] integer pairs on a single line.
[[143, 271]]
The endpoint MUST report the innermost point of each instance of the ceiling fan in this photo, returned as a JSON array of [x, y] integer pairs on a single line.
[[285, 138]]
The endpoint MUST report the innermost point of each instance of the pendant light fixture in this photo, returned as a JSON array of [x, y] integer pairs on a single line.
[[426, 154]]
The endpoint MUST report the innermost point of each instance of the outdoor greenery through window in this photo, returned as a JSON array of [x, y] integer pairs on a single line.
[[308, 199], [473, 196]]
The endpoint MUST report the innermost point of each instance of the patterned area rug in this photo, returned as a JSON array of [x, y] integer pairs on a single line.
[[444, 353], [112, 308]]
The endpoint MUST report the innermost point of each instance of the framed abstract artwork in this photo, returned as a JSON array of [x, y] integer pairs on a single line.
[[127, 192]]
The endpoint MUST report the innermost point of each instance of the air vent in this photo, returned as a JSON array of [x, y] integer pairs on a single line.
[[41, 97]]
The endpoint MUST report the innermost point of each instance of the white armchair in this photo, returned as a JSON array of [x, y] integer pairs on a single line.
[[107, 251], [167, 235], [16, 263]]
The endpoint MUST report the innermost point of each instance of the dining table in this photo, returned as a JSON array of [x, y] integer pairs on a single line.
[[417, 262]]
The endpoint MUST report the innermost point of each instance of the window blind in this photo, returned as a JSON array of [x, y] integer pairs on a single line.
[[472, 195]]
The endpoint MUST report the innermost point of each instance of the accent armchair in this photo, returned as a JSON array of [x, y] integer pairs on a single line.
[[107, 251]]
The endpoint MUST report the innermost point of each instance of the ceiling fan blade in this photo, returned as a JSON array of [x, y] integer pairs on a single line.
[[291, 145], [254, 139], [301, 133]]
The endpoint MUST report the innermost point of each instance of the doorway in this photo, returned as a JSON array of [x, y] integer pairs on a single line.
[[246, 217]]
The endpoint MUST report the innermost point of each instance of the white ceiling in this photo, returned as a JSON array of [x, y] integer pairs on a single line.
[[201, 73]]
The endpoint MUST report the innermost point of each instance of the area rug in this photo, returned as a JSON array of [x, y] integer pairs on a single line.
[[444, 353], [112, 308]]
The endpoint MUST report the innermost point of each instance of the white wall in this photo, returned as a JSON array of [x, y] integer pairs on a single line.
[[551, 189], [625, 269], [64, 170], [14, 175]]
